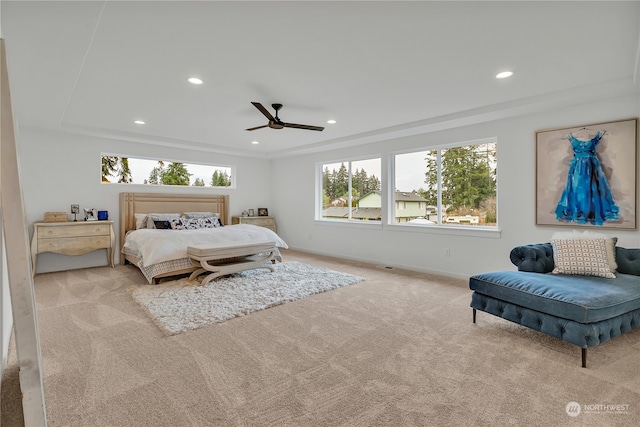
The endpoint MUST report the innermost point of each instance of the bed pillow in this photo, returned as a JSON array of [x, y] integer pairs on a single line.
[[194, 223], [162, 225], [201, 214], [610, 243], [585, 257], [141, 220], [160, 217]]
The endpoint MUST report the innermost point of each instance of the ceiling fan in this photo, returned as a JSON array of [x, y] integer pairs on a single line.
[[276, 123]]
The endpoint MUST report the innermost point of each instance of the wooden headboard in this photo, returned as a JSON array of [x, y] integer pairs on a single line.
[[132, 203]]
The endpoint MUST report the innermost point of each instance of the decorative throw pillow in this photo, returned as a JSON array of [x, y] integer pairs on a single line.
[[141, 220], [162, 225], [160, 217], [609, 241], [585, 257], [201, 214], [194, 223]]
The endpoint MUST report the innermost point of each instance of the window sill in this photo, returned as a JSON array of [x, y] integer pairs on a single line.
[[371, 225], [455, 230]]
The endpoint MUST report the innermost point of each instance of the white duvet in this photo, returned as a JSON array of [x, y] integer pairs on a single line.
[[154, 246]]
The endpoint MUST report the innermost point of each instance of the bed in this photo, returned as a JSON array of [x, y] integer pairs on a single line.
[[160, 253]]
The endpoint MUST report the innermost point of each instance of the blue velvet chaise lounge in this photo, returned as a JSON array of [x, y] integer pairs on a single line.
[[583, 310]]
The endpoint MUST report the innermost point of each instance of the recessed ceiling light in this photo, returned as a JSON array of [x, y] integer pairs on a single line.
[[195, 81], [504, 74], [331, 122], [255, 142], [139, 122]]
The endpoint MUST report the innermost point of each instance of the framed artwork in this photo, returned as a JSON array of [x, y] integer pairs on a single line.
[[90, 215], [251, 213], [586, 175], [263, 212]]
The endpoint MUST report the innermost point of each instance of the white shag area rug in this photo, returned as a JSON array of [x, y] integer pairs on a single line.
[[181, 305]]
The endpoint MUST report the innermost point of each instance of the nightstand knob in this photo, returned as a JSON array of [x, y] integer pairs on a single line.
[[49, 232]]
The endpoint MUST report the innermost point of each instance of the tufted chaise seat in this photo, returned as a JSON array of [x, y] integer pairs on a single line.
[[582, 310]]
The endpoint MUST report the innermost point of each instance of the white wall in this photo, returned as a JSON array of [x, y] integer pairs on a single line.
[[470, 254], [59, 169]]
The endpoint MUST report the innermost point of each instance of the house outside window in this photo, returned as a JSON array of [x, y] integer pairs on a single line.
[[454, 185], [344, 183]]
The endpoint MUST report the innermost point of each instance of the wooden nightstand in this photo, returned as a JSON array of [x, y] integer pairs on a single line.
[[72, 238], [263, 221]]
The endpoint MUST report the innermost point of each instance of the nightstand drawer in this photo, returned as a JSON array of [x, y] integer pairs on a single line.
[[75, 246], [262, 222], [74, 231]]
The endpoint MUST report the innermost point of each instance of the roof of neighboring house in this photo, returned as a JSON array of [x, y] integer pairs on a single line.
[[401, 196], [404, 196], [356, 213]]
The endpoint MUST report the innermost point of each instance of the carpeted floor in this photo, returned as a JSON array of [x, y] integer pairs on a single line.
[[396, 349]]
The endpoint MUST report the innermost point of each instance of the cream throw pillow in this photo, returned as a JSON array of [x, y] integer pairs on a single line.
[[585, 257], [610, 243]]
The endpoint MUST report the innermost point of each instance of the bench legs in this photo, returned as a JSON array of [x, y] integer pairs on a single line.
[[584, 350], [224, 267]]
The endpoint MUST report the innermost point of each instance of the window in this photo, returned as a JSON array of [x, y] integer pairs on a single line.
[[129, 170], [350, 190], [455, 185]]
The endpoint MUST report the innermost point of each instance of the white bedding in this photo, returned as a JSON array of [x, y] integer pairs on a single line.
[[154, 246]]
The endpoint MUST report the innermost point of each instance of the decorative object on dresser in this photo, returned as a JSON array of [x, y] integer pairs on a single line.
[[72, 238], [263, 221], [263, 212], [251, 212], [75, 210], [90, 215], [55, 217]]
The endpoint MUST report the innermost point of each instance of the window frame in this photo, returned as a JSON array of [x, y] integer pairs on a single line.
[[350, 221], [440, 227], [232, 173]]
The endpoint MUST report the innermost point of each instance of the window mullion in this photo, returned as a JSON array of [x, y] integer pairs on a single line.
[[439, 184]]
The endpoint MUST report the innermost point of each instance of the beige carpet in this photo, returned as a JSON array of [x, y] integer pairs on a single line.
[[177, 306], [398, 349]]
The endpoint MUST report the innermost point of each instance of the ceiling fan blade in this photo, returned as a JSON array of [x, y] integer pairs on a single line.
[[257, 127], [264, 111], [307, 127]]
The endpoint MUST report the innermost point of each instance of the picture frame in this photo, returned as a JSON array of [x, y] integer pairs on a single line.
[[90, 215], [586, 175], [263, 212], [251, 212]]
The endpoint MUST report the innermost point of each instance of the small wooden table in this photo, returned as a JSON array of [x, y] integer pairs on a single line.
[[228, 258]]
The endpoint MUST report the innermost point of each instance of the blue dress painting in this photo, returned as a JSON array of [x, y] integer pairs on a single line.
[[587, 197]]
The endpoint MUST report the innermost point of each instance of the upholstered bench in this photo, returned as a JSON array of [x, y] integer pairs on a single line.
[[221, 259], [583, 310]]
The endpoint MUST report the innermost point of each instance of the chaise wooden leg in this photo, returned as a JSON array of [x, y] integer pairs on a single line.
[[584, 357], [474, 315]]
